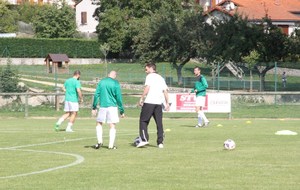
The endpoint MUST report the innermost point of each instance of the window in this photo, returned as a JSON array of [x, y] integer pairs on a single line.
[[83, 18]]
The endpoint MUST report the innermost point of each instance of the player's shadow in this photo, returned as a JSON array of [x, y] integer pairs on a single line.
[[93, 147], [187, 126], [148, 145]]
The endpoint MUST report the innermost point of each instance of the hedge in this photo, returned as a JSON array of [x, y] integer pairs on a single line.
[[40, 48]]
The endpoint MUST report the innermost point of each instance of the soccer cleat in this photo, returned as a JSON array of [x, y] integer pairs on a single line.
[[198, 125], [141, 144], [98, 145], [56, 127], [112, 148], [161, 145], [69, 130], [206, 124]]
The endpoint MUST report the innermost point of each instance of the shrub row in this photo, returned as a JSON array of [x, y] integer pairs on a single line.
[[40, 48]]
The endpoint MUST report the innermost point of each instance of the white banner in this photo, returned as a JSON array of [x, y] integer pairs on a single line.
[[214, 102]]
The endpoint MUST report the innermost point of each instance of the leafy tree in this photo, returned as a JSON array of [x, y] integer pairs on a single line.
[[236, 37], [28, 11], [118, 21], [293, 47], [251, 60], [8, 21], [55, 21], [271, 48], [232, 38], [175, 34]]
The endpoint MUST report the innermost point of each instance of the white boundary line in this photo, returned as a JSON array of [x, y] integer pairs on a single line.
[[79, 158]]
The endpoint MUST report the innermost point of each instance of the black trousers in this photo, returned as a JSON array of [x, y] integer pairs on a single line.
[[149, 110]]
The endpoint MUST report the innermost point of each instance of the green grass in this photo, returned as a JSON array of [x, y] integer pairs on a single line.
[[193, 158], [133, 73]]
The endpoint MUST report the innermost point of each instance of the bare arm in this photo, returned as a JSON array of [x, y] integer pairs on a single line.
[[167, 100], [80, 95], [146, 90]]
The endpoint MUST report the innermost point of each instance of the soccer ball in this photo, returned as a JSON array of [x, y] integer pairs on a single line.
[[136, 141], [229, 144]]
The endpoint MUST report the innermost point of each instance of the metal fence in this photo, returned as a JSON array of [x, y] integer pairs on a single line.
[[51, 104]]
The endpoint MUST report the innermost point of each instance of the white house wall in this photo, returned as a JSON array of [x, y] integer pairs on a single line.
[[89, 8]]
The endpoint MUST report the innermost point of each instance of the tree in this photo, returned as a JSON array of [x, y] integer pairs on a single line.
[[8, 21], [175, 34], [55, 21], [9, 79], [292, 46], [118, 21], [232, 38], [271, 48], [251, 60], [28, 11], [235, 38]]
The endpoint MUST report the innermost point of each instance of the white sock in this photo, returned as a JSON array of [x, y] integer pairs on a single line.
[[59, 122], [202, 115], [69, 126], [199, 120], [112, 136], [99, 133]]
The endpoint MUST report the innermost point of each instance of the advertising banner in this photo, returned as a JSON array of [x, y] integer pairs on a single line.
[[214, 102]]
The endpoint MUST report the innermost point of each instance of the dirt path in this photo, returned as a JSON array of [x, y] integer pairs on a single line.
[[53, 84]]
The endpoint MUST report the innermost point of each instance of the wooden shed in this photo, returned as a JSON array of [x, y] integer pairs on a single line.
[[57, 63]]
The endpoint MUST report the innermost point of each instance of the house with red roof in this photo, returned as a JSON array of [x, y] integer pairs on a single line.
[[283, 13]]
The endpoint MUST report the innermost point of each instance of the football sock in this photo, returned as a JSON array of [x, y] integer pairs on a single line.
[[199, 120], [69, 126], [202, 115], [99, 132], [112, 136], [59, 122]]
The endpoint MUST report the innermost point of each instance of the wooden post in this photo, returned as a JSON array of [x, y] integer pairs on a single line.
[[26, 105]]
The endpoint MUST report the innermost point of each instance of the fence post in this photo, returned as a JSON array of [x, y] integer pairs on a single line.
[[275, 88], [26, 105], [57, 99]]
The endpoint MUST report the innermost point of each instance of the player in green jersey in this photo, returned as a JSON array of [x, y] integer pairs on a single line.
[[108, 92]]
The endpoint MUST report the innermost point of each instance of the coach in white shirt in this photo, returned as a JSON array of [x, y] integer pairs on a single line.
[[151, 101]]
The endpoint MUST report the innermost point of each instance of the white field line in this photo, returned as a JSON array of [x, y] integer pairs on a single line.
[[79, 158]]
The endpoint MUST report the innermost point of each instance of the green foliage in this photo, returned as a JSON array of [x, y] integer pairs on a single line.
[[271, 43], [54, 21], [8, 21], [173, 34], [232, 39], [9, 79], [292, 46], [28, 11], [26, 47], [251, 59], [119, 20]]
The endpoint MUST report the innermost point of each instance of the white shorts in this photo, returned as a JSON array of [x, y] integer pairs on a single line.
[[200, 101], [71, 106], [108, 115]]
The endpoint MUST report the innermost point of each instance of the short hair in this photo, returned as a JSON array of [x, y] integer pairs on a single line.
[[197, 67], [77, 72], [151, 65]]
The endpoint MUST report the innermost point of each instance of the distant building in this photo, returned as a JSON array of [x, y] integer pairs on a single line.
[[84, 16], [283, 13], [40, 2]]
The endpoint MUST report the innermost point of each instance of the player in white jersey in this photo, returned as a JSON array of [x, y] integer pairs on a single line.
[[151, 101]]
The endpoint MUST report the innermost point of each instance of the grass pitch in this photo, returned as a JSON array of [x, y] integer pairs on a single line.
[[34, 156]]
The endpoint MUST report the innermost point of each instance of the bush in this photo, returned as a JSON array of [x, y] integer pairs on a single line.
[[9, 79]]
